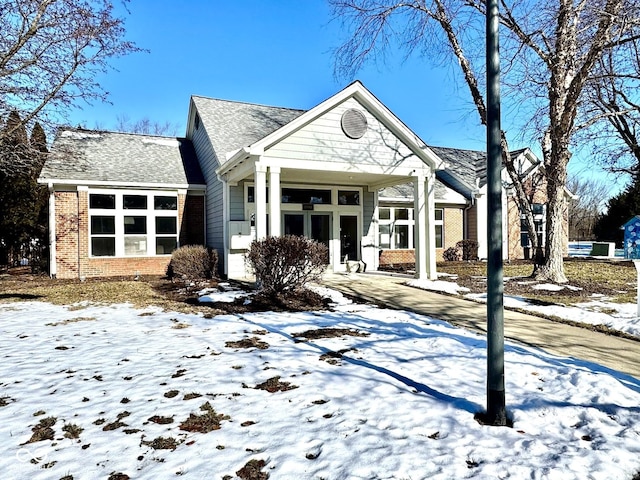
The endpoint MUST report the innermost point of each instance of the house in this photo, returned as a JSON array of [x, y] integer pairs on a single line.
[[347, 173]]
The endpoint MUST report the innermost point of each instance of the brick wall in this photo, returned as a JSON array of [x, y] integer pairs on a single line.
[[453, 229], [66, 205], [397, 257]]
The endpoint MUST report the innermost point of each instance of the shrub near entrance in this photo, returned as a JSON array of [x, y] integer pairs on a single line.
[[193, 262], [286, 264]]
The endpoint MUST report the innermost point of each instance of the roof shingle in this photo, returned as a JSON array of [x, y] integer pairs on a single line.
[[112, 157]]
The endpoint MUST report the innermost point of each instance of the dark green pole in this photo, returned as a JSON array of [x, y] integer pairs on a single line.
[[496, 410]]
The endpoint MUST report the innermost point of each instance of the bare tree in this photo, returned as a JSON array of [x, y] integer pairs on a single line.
[[550, 51], [51, 52], [614, 94], [146, 126], [587, 205]]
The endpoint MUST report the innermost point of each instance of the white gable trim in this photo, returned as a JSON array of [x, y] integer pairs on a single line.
[[366, 98]]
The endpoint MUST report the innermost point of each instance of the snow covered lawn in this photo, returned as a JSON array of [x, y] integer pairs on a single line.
[[358, 392]]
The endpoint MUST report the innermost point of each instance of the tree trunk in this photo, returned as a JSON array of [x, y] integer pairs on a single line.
[[553, 267]]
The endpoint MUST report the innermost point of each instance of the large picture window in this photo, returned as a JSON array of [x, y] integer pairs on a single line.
[[132, 224]]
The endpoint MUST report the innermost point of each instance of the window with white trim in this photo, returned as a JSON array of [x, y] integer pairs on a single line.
[[396, 228], [129, 224]]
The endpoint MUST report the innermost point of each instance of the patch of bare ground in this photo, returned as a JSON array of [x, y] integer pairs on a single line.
[[253, 342], [274, 385], [162, 443], [43, 431], [204, 423], [318, 333], [253, 471]]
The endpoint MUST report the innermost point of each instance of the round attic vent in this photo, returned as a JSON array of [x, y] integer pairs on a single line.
[[354, 123]]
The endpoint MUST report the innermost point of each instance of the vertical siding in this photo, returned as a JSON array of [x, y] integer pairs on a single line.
[[236, 203], [472, 223]]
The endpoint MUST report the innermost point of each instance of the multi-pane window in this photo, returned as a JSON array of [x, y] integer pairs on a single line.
[[439, 224], [132, 224], [539, 219], [396, 228]]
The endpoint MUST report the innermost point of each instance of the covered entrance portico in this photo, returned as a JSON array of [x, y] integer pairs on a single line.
[[319, 178]]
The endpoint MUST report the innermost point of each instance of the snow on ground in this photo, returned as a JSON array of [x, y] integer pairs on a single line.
[[438, 286], [617, 316], [396, 403]]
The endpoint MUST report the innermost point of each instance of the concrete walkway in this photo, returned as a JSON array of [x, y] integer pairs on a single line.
[[565, 340]]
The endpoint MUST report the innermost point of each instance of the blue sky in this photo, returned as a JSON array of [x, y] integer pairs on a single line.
[[272, 52]]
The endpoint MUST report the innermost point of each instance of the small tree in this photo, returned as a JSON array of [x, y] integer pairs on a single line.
[[286, 264], [469, 249]]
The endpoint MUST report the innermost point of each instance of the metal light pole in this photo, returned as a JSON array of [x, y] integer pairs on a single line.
[[496, 410]]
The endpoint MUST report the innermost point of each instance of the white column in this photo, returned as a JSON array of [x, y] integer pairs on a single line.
[[261, 200], [420, 225], [52, 232], [274, 202], [430, 186]]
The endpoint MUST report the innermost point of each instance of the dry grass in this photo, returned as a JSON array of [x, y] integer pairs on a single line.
[[75, 293], [614, 279]]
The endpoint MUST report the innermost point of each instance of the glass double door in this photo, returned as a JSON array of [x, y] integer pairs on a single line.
[[313, 225], [318, 226]]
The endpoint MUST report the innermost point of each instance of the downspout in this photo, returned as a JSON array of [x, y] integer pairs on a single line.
[[472, 202], [52, 231]]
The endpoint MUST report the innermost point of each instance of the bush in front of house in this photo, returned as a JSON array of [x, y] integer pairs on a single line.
[[193, 262], [286, 264], [469, 249], [452, 254]]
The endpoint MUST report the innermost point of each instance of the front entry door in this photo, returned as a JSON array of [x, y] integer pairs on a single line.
[[316, 226], [349, 237]]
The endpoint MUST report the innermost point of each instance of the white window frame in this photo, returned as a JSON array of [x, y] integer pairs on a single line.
[[393, 222], [119, 213], [439, 223]]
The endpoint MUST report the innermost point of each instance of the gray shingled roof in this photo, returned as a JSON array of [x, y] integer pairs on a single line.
[[405, 191], [233, 125], [85, 155], [465, 172]]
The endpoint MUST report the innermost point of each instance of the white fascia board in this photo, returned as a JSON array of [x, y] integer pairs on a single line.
[[190, 118], [133, 186]]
